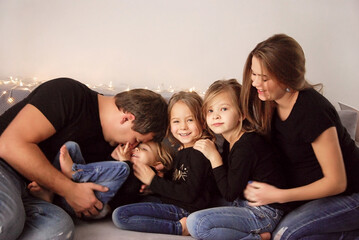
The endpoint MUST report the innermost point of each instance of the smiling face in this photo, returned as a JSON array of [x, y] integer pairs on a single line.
[[183, 124], [222, 116], [268, 88], [145, 153]]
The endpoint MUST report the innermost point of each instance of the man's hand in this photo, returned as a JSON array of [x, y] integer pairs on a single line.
[[83, 200]]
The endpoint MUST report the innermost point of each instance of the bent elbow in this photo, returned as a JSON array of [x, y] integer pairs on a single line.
[[2, 147], [342, 186], [5, 148], [338, 186]]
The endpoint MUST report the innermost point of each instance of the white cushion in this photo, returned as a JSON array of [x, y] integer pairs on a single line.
[[349, 120]]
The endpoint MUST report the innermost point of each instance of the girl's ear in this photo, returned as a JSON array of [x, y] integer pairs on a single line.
[[242, 117]]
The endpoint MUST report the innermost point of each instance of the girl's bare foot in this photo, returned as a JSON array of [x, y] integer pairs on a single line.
[[37, 191], [66, 162], [183, 222], [265, 236]]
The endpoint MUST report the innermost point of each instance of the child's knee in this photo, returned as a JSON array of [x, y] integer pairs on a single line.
[[72, 146]]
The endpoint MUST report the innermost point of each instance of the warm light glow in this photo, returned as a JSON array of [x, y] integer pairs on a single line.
[[10, 100], [28, 84]]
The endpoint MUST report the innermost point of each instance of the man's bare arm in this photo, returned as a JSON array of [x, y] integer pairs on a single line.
[[18, 147]]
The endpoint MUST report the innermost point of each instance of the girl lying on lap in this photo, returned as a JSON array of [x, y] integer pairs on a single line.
[[115, 175]]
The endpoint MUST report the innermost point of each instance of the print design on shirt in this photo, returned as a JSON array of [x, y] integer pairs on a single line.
[[180, 173]]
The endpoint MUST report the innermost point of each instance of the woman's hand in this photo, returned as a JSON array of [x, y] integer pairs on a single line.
[[209, 150], [258, 194], [122, 152]]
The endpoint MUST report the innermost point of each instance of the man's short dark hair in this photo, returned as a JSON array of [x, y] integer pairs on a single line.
[[149, 109]]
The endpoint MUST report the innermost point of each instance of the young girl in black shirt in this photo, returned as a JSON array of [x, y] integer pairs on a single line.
[[187, 189], [250, 157]]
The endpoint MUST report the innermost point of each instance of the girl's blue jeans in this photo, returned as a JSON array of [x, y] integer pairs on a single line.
[[150, 217], [111, 174], [238, 221], [23, 216], [328, 218]]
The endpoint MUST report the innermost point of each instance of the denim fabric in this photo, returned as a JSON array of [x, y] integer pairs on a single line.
[[328, 218], [111, 174], [150, 217], [239, 221], [23, 216]]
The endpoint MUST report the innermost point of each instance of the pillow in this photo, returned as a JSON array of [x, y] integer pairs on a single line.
[[344, 106], [349, 120]]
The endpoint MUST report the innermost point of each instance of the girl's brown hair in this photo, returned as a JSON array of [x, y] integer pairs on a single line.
[[284, 60], [233, 88], [194, 102], [164, 155]]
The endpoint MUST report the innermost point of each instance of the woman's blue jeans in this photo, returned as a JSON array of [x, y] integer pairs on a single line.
[[150, 217], [111, 174], [239, 221], [23, 216], [328, 218]]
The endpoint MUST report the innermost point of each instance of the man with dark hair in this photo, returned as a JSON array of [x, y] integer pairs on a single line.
[[32, 133]]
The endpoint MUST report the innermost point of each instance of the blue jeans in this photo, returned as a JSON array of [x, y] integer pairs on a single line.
[[239, 221], [111, 174], [328, 218], [150, 217], [23, 216]]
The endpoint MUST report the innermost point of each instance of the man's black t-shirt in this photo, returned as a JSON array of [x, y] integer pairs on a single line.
[[72, 108]]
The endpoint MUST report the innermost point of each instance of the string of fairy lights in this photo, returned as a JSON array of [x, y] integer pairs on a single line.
[[11, 84]]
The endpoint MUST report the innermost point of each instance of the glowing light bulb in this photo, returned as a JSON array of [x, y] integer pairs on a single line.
[[10, 100]]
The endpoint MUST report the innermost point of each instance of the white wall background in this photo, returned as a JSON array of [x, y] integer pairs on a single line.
[[179, 44]]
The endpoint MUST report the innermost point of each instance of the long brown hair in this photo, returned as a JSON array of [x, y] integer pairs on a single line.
[[284, 59]]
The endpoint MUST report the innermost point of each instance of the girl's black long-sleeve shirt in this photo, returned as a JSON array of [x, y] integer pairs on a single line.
[[251, 158], [191, 184]]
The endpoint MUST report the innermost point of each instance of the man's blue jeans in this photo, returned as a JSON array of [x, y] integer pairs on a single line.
[[111, 174], [239, 221], [150, 217], [23, 216], [329, 218]]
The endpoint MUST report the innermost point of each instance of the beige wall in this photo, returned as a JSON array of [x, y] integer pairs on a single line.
[[179, 44]]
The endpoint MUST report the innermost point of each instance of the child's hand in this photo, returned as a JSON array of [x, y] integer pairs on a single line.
[[209, 150], [145, 190], [143, 172], [122, 152]]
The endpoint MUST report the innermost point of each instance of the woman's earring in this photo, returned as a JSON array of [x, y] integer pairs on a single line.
[[287, 89]]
